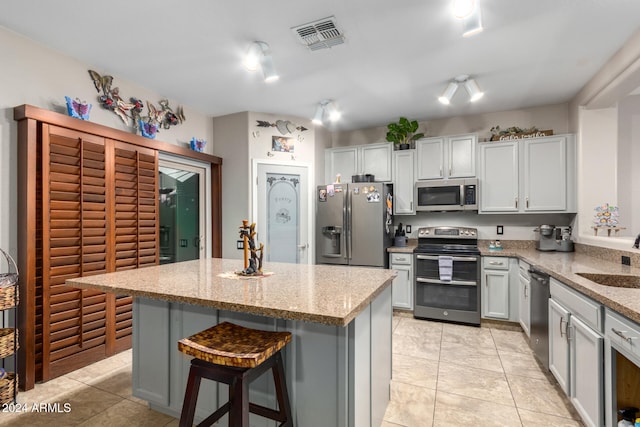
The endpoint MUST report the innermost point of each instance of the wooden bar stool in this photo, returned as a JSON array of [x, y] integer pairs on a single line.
[[235, 355]]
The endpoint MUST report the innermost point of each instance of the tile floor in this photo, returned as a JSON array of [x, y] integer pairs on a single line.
[[443, 375]]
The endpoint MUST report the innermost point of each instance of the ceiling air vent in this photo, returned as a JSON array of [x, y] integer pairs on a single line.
[[320, 34]]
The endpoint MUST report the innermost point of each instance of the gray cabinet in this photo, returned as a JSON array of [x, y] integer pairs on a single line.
[[403, 182], [446, 157], [372, 159], [495, 287], [403, 284], [534, 175], [576, 350]]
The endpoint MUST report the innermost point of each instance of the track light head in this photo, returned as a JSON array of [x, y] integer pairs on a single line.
[[473, 90], [448, 93], [326, 107], [259, 53]]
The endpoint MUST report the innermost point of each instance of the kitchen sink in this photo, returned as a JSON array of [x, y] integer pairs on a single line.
[[617, 280]]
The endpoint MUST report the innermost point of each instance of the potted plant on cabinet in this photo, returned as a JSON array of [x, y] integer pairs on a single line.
[[403, 132]]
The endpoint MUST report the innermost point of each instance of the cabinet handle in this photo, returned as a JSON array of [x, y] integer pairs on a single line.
[[622, 335], [525, 293], [401, 259], [440, 171], [562, 333], [527, 199], [411, 205], [516, 203], [496, 263], [486, 280]]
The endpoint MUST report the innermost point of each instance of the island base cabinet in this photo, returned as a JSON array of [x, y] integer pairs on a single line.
[[336, 376]]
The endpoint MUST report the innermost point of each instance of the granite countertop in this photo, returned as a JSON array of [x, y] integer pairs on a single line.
[[327, 294], [564, 265], [411, 245]]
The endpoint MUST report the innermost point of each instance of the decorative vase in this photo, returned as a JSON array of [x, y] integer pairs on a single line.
[[404, 146]]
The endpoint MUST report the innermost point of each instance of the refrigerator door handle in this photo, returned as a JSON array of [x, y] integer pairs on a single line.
[[349, 225]]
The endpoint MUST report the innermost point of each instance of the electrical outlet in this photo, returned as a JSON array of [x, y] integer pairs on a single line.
[[499, 229], [626, 260], [408, 227], [240, 244]]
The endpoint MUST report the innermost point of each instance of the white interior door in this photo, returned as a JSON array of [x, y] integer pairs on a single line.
[[281, 206], [184, 221]]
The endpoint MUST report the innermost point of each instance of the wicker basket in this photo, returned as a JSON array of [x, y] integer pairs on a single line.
[[8, 387], [8, 341], [8, 284]]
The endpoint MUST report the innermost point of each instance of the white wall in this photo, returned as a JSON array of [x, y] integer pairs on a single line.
[[628, 177], [555, 117], [32, 74], [239, 141]]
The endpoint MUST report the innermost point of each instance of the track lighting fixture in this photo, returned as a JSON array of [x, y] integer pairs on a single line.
[[469, 84], [326, 108], [259, 53], [469, 12]]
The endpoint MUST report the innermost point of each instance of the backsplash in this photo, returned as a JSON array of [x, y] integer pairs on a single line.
[[608, 254]]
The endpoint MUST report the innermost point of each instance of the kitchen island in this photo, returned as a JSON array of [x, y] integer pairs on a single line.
[[338, 365]]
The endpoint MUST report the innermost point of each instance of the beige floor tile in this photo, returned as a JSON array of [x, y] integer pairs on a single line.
[[174, 423], [475, 383], [51, 391], [536, 419], [471, 356], [539, 395], [523, 364], [415, 371], [126, 414], [118, 383], [472, 336], [425, 348], [419, 328], [394, 323], [99, 370], [510, 341], [453, 409], [410, 405]]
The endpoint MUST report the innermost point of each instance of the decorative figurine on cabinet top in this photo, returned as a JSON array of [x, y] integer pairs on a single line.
[[78, 109], [252, 262]]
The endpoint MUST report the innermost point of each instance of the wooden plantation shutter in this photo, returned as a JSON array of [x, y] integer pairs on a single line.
[[74, 244], [135, 222]]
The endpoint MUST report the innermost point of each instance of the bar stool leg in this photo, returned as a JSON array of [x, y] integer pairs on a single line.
[[190, 398], [239, 398]]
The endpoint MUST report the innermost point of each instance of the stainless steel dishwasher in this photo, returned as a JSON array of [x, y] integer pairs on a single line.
[[540, 294]]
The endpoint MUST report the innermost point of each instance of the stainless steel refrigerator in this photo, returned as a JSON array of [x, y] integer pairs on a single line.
[[354, 223]]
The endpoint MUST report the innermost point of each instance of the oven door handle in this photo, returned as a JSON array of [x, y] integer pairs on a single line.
[[455, 258], [451, 282]]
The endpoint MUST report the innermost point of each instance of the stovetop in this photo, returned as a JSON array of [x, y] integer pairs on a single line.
[[448, 240]]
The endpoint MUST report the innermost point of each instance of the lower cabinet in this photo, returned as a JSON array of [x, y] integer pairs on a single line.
[[402, 287], [498, 293], [576, 350]]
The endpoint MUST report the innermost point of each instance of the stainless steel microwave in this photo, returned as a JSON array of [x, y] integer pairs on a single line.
[[447, 195]]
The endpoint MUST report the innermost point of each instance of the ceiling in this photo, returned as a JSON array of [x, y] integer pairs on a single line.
[[396, 60]]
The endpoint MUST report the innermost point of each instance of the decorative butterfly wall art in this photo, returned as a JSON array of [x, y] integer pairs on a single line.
[[131, 111], [78, 109]]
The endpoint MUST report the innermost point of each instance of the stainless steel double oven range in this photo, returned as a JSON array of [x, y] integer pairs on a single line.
[[447, 266]]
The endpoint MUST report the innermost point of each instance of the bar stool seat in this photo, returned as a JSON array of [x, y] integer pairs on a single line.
[[235, 355]]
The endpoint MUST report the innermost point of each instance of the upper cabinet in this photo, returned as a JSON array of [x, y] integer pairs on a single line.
[[528, 176], [446, 157], [374, 159], [403, 182]]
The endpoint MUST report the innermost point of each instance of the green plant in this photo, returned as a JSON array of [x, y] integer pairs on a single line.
[[403, 132]]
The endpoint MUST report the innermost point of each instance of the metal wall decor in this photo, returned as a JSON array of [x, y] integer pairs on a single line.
[[283, 126], [131, 111]]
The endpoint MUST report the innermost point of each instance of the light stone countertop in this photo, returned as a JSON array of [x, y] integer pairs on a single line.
[[327, 294], [564, 265]]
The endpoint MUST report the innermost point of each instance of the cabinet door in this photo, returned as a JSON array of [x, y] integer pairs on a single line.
[[462, 156], [430, 158], [524, 304], [403, 182], [545, 174], [499, 177], [495, 294], [375, 159], [587, 372], [559, 344], [343, 161], [402, 287]]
